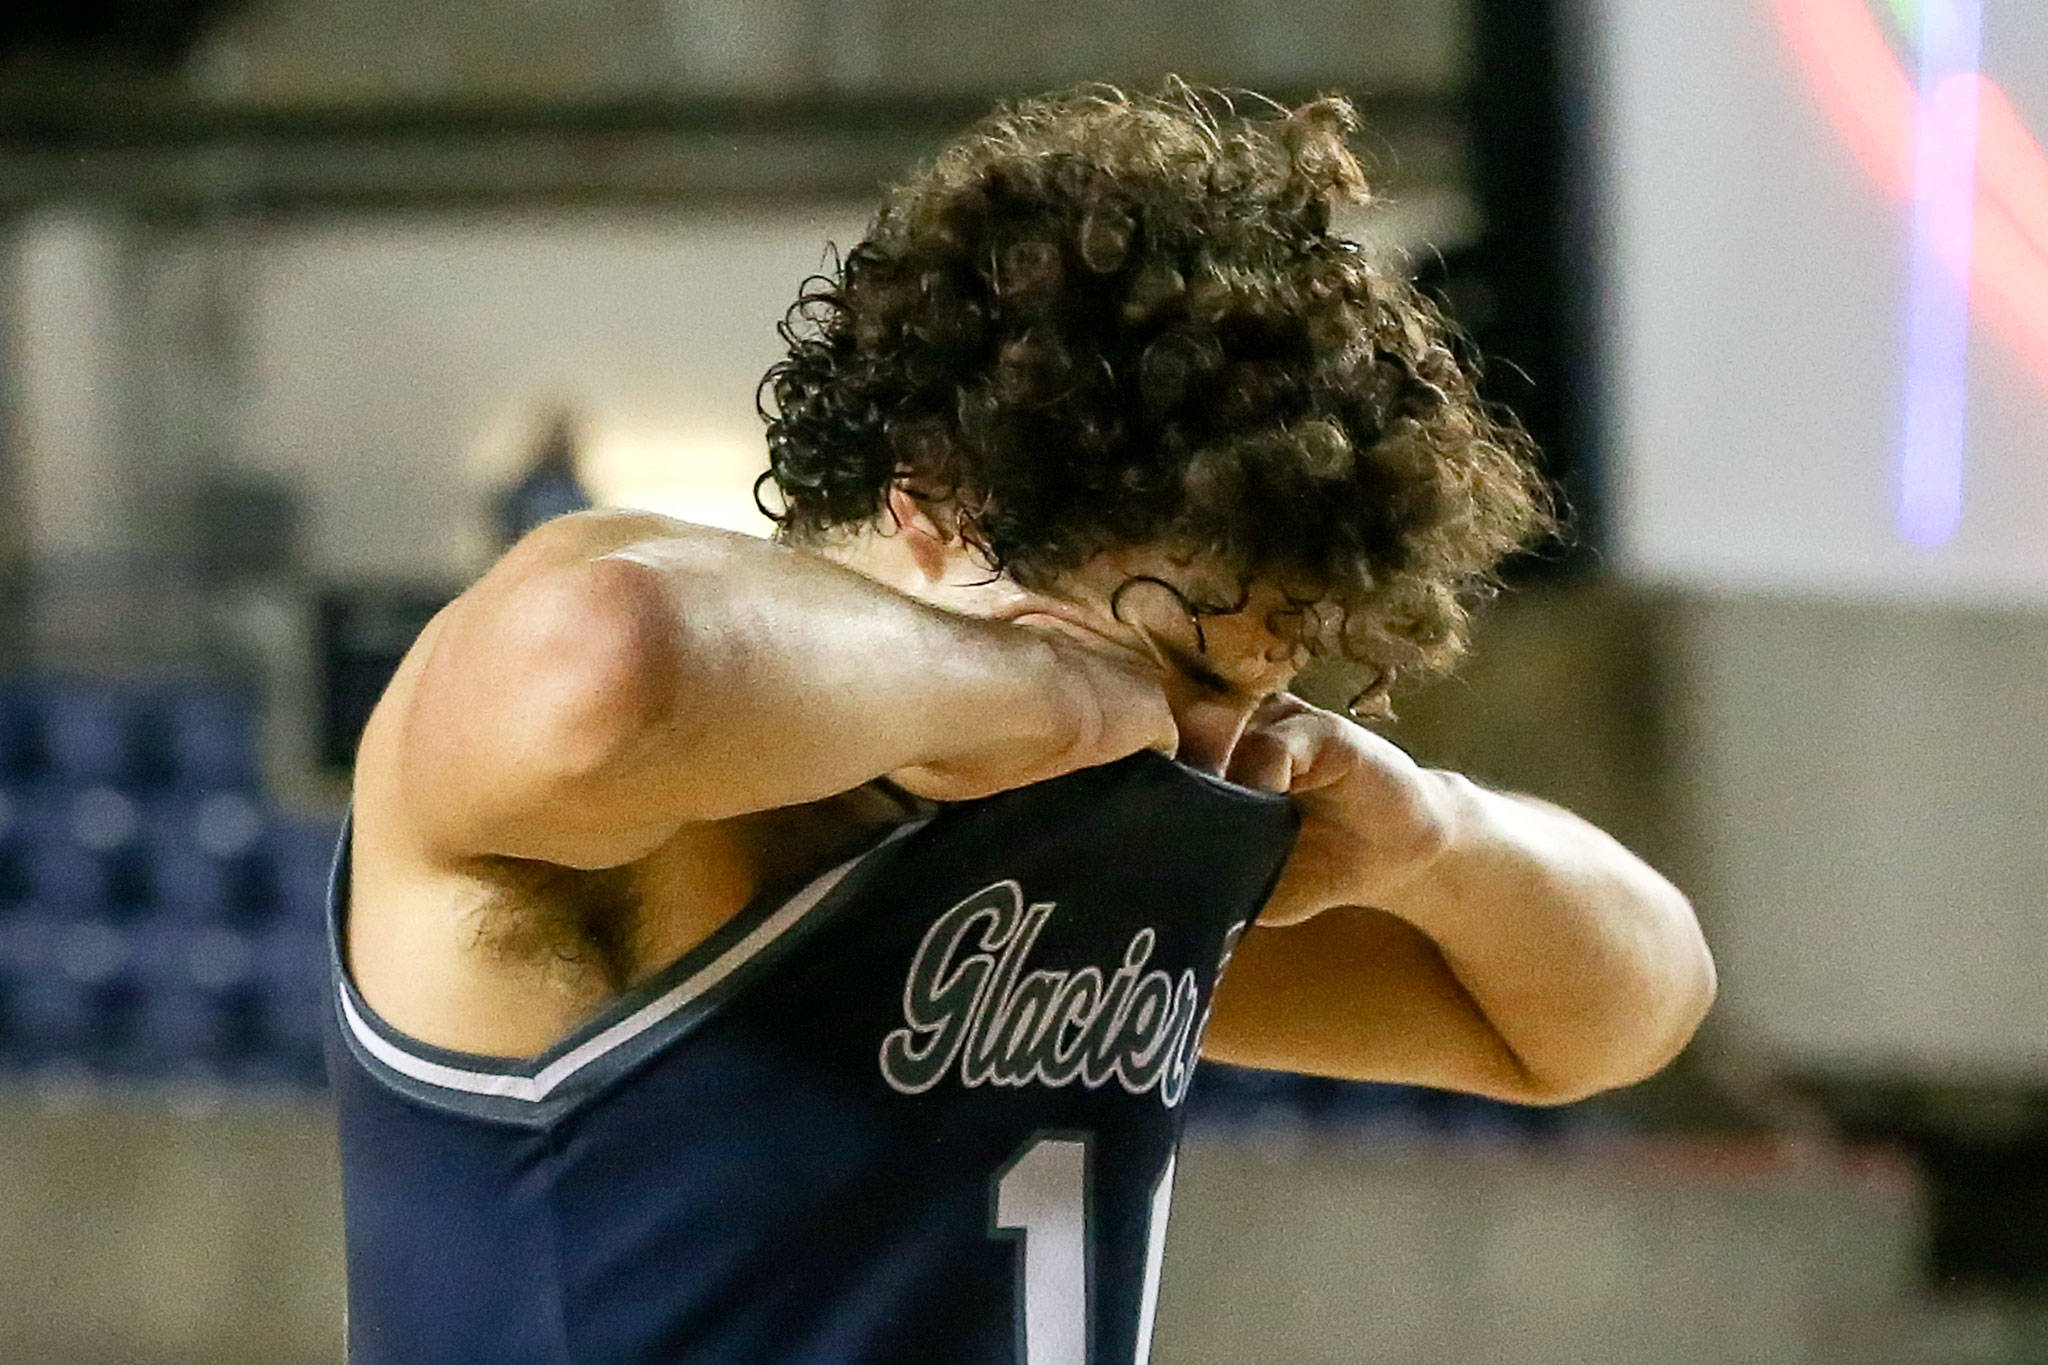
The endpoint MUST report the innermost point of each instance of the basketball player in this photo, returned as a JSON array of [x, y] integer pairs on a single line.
[[799, 951]]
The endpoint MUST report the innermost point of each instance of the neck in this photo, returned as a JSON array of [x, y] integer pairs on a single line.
[[944, 573], [868, 551]]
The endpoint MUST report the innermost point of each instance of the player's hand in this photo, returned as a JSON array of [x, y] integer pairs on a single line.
[[1372, 819], [1075, 706]]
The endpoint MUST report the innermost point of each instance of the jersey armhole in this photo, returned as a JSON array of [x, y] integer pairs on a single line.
[[651, 1016]]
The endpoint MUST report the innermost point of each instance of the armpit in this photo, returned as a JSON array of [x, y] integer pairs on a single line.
[[573, 925]]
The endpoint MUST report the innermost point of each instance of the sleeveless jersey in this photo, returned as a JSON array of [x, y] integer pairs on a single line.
[[924, 1109]]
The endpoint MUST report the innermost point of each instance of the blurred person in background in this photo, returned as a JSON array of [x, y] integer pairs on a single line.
[[549, 485], [799, 950]]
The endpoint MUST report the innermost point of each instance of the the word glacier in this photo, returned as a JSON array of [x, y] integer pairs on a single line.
[[970, 1005]]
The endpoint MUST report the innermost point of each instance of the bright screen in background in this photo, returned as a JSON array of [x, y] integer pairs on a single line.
[[1826, 255]]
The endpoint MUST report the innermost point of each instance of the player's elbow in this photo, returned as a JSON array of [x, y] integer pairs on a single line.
[[1644, 1037], [1696, 983], [1678, 992]]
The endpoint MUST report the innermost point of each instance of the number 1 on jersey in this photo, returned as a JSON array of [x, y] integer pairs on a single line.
[[1043, 1194]]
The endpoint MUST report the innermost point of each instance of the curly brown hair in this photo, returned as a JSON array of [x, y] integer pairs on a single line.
[[1100, 321]]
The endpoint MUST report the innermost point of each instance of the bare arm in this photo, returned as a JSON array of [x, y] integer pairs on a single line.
[[620, 675], [1513, 950], [1589, 963]]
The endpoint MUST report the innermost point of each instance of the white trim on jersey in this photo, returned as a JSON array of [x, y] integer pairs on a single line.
[[549, 1078]]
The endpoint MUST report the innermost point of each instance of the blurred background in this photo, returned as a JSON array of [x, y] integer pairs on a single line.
[[306, 306]]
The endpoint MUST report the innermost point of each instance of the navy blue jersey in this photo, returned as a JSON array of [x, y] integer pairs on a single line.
[[922, 1110]]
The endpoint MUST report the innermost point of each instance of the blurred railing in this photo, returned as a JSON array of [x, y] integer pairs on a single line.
[[173, 157]]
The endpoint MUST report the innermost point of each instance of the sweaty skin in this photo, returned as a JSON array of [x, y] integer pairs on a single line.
[[596, 755]]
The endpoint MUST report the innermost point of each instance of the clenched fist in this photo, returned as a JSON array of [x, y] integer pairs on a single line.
[[1372, 818]]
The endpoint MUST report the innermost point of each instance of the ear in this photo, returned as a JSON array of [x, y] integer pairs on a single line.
[[929, 543]]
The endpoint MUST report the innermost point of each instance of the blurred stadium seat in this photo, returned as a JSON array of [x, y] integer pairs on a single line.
[[18, 756], [158, 918], [208, 736], [88, 731], [202, 858]]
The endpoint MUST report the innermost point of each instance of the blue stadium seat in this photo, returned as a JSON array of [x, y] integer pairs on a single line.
[[201, 858], [49, 1020], [180, 1031], [208, 735], [293, 995], [120, 1044], [291, 959], [100, 818], [67, 881], [90, 732], [187, 884], [80, 852], [20, 732], [14, 872], [299, 851], [92, 953], [188, 1031], [210, 958], [195, 988], [17, 957], [14, 880], [22, 950], [63, 987]]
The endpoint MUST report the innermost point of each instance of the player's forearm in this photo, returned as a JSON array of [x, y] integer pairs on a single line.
[[618, 676], [793, 678], [1588, 963]]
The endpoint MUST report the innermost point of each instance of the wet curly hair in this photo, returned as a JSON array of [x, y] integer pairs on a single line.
[[1100, 320]]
